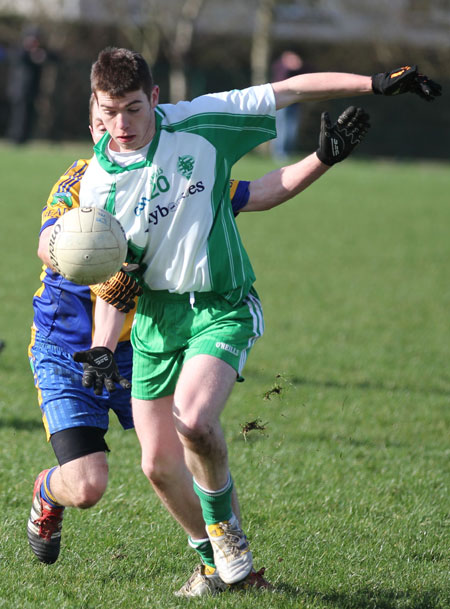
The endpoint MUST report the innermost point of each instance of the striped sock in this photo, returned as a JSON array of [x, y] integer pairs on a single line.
[[45, 491], [216, 505], [204, 548]]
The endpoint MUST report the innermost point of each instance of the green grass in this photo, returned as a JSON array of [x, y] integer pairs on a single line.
[[345, 493]]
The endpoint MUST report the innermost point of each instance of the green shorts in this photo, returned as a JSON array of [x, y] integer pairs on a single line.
[[171, 328]]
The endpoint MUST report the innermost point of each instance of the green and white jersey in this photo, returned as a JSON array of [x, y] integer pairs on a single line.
[[174, 204]]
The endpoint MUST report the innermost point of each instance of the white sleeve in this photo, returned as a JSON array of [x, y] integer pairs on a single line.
[[253, 100]]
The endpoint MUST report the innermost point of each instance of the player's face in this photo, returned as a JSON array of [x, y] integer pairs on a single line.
[[97, 128], [130, 120]]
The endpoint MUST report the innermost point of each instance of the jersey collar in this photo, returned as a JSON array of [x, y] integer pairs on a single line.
[[100, 150]]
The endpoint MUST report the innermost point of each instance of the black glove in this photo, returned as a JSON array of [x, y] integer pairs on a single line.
[[100, 369], [405, 80], [338, 140]]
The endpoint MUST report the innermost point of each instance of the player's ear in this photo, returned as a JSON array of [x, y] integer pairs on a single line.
[[154, 98]]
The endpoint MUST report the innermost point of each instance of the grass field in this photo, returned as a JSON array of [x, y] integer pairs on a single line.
[[345, 493]]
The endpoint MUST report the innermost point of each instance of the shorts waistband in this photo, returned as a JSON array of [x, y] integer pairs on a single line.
[[166, 296]]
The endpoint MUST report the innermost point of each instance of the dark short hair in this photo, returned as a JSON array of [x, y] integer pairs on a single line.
[[120, 71]]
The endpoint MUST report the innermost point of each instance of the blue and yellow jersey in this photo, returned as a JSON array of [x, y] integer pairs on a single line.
[[64, 311]]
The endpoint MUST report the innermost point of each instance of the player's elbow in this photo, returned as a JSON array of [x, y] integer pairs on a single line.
[[261, 204]]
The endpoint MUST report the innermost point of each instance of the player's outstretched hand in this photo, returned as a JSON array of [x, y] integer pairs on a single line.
[[100, 370], [337, 140], [405, 80]]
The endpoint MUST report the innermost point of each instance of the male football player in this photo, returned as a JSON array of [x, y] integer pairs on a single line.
[[75, 419], [199, 314]]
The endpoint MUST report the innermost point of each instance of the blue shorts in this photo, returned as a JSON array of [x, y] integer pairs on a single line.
[[64, 402]]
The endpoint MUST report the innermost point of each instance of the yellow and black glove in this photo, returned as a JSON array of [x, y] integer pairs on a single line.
[[405, 80], [120, 291]]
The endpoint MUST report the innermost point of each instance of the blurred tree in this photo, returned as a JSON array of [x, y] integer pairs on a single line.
[[261, 41], [261, 49], [177, 48], [153, 30], [170, 33], [197, 46], [140, 28]]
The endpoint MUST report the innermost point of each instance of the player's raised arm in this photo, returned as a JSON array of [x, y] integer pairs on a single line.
[[282, 184], [336, 142], [319, 86], [330, 85]]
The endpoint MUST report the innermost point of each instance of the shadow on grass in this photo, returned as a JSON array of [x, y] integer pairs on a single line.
[[366, 385], [361, 385], [367, 598], [20, 424]]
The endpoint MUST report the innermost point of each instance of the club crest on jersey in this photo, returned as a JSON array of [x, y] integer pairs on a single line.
[[185, 165], [62, 198]]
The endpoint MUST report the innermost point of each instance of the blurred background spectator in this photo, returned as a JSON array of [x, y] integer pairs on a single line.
[[24, 80], [288, 119], [201, 46]]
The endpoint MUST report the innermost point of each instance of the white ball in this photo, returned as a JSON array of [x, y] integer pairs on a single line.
[[88, 245]]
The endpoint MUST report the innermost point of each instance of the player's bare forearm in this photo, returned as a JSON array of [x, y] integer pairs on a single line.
[[282, 184], [42, 251], [108, 325], [319, 86]]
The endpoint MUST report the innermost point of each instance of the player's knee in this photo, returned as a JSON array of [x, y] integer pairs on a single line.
[[198, 434], [89, 493], [160, 469]]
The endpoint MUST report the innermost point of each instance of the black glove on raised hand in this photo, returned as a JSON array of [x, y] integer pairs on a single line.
[[338, 140], [100, 370], [405, 80]]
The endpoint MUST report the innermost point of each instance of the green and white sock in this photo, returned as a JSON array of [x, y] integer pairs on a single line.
[[216, 505], [204, 548]]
